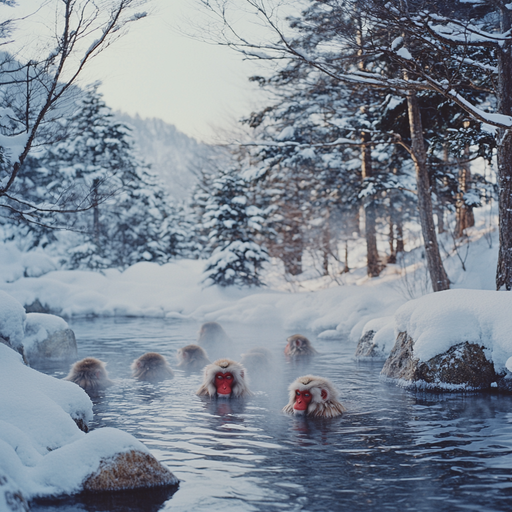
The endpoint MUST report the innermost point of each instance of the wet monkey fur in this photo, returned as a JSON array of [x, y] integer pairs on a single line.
[[192, 357], [211, 333], [224, 378], [313, 396], [298, 345], [151, 367], [90, 374]]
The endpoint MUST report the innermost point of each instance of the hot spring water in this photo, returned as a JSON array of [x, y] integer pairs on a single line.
[[392, 450]]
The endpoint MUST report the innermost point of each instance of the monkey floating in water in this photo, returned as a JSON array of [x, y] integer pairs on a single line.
[[90, 374], [224, 378], [192, 357], [151, 367], [299, 345], [313, 396], [212, 333]]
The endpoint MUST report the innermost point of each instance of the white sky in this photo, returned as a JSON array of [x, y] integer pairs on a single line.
[[156, 71]]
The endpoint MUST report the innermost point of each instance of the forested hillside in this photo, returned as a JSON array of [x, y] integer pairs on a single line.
[[386, 126], [173, 156]]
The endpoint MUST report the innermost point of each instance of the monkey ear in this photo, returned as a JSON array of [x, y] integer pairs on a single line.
[[297, 343], [324, 394], [242, 374], [97, 373]]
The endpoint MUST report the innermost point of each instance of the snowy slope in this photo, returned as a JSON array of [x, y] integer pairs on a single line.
[[172, 154]]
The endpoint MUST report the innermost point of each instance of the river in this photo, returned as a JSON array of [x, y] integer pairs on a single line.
[[393, 450]]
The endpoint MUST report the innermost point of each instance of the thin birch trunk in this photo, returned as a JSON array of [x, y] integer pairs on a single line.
[[435, 266]]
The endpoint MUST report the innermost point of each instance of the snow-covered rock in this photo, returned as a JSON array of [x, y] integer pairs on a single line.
[[11, 498], [462, 367], [43, 452], [129, 470], [378, 338], [48, 337], [456, 339]]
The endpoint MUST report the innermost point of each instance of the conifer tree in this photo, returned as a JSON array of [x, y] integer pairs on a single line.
[[233, 225], [98, 161]]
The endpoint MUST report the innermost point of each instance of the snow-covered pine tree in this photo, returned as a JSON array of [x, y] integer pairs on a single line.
[[179, 236], [129, 204], [233, 225]]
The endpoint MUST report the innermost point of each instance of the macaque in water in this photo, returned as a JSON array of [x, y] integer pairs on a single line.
[[313, 396], [212, 333], [257, 360], [224, 379], [151, 367], [90, 374], [298, 345], [192, 357]]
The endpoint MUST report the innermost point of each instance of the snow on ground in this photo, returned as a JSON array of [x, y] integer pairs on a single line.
[[40, 443], [174, 290], [37, 410], [440, 320]]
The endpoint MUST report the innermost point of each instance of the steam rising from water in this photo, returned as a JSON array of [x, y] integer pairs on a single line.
[[392, 449]]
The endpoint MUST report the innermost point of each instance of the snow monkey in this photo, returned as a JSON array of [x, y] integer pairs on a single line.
[[192, 357], [257, 360], [299, 345], [313, 396], [212, 333], [151, 367], [224, 379], [90, 374]]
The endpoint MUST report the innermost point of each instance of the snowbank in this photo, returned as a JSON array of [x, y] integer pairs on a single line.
[[42, 451], [440, 320], [174, 291], [29, 397], [12, 320]]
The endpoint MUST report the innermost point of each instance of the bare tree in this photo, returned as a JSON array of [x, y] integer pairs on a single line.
[[39, 91]]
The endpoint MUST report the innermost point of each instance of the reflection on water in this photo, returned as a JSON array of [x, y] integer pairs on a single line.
[[393, 450]]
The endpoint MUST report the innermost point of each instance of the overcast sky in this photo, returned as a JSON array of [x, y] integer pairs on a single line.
[[156, 71]]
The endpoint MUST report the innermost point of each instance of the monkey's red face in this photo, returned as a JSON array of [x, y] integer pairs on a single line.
[[223, 383], [302, 399]]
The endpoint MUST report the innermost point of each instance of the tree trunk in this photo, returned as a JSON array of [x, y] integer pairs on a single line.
[[372, 255], [392, 250], [504, 268], [96, 212], [463, 214], [439, 206], [346, 267], [292, 240], [326, 242], [399, 235], [435, 266], [440, 218]]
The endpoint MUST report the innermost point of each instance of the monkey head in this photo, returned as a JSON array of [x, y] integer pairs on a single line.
[[192, 357], [151, 367], [90, 374], [224, 379], [212, 333], [298, 345], [313, 396]]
